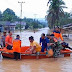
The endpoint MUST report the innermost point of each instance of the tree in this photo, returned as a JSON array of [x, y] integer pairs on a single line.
[[35, 25], [32, 24], [9, 15], [55, 12], [1, 15], [65, 19], [9, 11]]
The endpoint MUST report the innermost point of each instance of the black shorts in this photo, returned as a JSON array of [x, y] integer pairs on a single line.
[[9, 47]]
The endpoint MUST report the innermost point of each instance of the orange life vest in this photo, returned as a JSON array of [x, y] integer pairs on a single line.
[[17, 45], [8, 40], [58, 35]]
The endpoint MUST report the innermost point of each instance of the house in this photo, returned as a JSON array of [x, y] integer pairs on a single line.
[[10, 26], [1, 28], [7, 25], [22, 23], [68, 26]]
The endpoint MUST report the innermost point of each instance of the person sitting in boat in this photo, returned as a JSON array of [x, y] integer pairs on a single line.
[[0, 40], [65, 45], [57, 33], [17, 47], [9, 41], [56, 46], [3, 38], [34, 46], [43, 42]]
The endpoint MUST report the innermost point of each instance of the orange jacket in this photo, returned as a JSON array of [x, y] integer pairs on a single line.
[[8, 40], [58, 35], [17, 45]]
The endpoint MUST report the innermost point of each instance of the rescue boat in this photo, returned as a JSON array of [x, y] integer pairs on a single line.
[[9, 53]]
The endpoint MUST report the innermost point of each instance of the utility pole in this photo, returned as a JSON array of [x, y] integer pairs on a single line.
[[21, 13], [48, 2], [34, 21], [35, 17]]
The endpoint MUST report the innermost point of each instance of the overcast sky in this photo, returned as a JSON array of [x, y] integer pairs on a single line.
[[30, 7]]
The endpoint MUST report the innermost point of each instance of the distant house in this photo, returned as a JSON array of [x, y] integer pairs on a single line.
[[10, 26], [68, 26], [1, 28], [7, 25], [22, 23]]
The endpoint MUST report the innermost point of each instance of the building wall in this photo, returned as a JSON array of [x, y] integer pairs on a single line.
[[1, 29]]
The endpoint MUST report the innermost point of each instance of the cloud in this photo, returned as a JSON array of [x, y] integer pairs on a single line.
[[30, 7]]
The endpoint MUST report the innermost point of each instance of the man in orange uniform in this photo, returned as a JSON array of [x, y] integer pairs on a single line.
[[17, 47], [8, 41], [57, 34]]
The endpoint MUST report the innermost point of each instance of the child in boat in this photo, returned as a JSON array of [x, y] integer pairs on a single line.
[[56, 46], [17, 47], [34, 46]]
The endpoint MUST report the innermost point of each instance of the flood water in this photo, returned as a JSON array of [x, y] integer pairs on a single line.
[[26, 34], [61, 64]]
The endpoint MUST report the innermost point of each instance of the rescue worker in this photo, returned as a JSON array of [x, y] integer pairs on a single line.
[[3, 38], [44, 42], [34, 46], [58, 34], [17, 47], [56, 46], [0, 40], [9, 41]]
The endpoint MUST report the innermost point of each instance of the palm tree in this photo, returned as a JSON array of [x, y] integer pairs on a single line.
[[55, 12]]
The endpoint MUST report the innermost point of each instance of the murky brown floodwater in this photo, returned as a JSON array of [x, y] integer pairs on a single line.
[[61, 64]]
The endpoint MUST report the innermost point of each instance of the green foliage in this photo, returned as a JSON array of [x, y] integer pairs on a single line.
[[40, 26], [18, 26], [32, 23], [65, 19], [9, 15], [27, 26], [1, 15], [55, 12]]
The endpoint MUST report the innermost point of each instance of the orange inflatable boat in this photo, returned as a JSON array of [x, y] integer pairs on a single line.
[[9, 53]]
